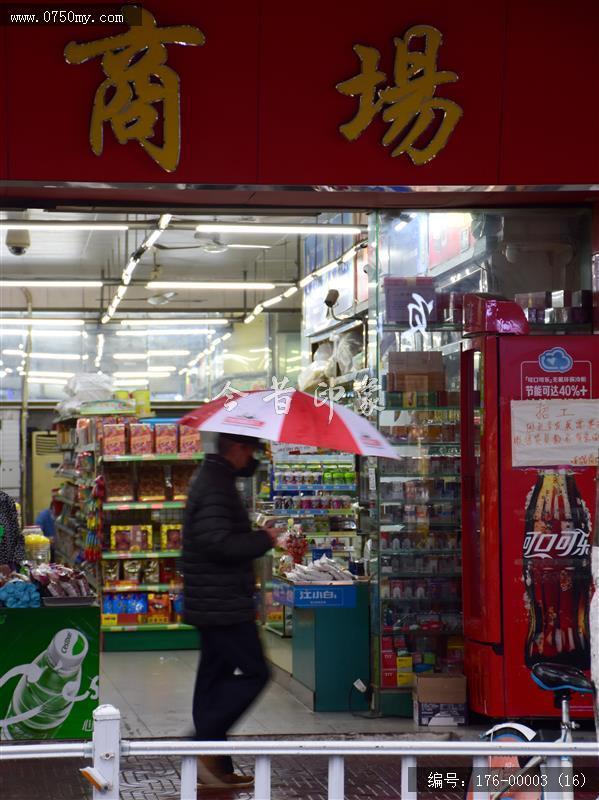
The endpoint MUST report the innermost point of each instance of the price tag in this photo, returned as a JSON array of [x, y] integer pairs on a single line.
[[372, 479], [110, 619]]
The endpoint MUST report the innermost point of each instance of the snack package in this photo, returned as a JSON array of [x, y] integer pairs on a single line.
[[114, 440], [137, 603], [141, 438], [120, 604], [151, 486], [119, 483], [181, 478], [159, 608], [141, 538], [108, 604], [120, 537], [131, 571], [176, 599], [166, 437], [171, 537], [168, 570], [189, 440], [111, 573], [151, 571]]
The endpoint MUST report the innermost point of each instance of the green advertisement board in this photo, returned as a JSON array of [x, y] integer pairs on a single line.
[[49, 672]]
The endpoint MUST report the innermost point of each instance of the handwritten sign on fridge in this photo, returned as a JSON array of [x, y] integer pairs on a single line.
[[547, 433]]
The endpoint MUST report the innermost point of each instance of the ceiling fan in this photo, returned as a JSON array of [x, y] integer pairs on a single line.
[[213, 246]]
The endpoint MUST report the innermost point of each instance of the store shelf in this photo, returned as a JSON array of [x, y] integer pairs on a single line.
[[315, 487], [561, 327], [277, 631], [154, 457], [148, 626], [392, 407], [143, 587], [140, 506], [313, 512], [419, 445], [452, 500], [109, 556], [434, 576], [65, 529], [431, 327], [447, 551], [314, 459], [412, 601], [389, 478], [415, 526]]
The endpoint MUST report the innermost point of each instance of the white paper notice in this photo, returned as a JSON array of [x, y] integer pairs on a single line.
[[547, 433]]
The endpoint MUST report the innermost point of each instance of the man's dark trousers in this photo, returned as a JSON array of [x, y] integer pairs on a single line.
[[231, 674]]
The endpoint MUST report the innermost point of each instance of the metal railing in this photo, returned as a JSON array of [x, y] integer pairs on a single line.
[[107, 748]]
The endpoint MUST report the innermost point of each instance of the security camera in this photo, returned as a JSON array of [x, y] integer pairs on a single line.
[[331, 298], [18, 242]]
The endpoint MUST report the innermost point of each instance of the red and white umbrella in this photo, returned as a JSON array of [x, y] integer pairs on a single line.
[[288, 415]]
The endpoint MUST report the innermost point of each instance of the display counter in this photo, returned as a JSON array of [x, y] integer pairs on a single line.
[[330, 644]]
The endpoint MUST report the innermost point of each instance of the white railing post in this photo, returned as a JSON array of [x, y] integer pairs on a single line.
[[336, 778], [262, 778], [189, 778], [553, 764], [480, 763], [107, 751], [408, 763]]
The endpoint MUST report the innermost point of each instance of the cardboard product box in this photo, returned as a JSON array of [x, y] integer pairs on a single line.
[[167, 437], [389, 678], [114, 441], [189, 440], [141, 436], [440, 700], [413, 363], [398, 296], [388, 659], [536, 300], [405, 679]]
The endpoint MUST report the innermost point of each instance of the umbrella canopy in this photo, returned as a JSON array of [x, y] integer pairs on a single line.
[[291, 416]]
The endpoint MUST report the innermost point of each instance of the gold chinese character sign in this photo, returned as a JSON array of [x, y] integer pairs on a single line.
[[139, 90], [410, 104]]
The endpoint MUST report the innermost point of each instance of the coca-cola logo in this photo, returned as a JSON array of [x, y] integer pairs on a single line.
[[570, 543]]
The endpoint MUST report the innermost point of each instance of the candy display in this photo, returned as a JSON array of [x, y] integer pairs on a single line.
[[133, 538], [151, 571], [131, 571], [159, 608], [166, 438], [189, 440], [171, 537], [141, 438], [17, 593], [181, 475], [111, 572], [119, 483], [169, 572], [114, 440], [151, 486]]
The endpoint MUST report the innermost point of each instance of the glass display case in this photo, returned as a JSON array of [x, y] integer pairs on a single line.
[[422, 263]]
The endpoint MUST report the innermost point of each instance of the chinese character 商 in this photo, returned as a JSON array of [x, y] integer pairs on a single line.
[[410, 105], [139, 88]]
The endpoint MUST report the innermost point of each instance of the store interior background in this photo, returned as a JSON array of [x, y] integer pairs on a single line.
[[503, 251]]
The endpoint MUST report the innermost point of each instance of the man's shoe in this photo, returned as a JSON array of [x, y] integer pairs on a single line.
[[211, 776]]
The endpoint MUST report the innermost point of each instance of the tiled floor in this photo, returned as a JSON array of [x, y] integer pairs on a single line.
[[153, 692]]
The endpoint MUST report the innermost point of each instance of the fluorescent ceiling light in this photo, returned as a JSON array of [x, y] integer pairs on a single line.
[[131, 382], [249, 246], [51, 356], [162, 368], [169, 332], [146, 374], [48, 381], [48, 284], [226, 336], [250, 286], [164, 220], [249, 319], [273, 301], [39, 322], [130, 356], [47, 334], [168, 352], [62, 225], [293, 358], [291, 291], [143, 323], [47, 374], [105, 319], [305, 281], [121, 292], [256, 227]]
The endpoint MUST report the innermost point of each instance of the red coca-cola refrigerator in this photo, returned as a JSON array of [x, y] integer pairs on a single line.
[[530, 436]]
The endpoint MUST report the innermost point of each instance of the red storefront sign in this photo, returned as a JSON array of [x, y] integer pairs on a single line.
[[260, 104]]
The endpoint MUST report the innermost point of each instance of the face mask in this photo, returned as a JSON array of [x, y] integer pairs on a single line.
[[249, 469]]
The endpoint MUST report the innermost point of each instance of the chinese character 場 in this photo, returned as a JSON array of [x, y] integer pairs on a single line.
[[410, 104], [138, 84]]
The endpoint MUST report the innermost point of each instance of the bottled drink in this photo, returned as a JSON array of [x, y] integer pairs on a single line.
[[557, 571], [44, 696]]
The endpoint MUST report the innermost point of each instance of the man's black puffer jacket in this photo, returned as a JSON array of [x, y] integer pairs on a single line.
[[219, 547]]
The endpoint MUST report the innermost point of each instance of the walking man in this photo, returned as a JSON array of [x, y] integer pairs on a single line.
[[219, 547]]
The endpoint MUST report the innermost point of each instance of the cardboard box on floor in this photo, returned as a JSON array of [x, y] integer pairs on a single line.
[[440, 700]]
